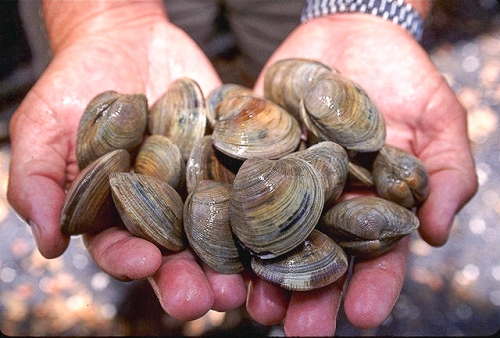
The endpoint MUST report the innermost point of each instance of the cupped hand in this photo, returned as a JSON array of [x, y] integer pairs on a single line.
[[141, 56], [422, 116]]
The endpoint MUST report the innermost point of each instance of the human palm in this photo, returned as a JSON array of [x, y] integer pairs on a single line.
[[422, 116]]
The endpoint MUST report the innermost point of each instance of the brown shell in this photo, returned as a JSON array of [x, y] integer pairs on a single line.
[[110, 121], [368, 226], [207, 228], [317, 262], [249, 126], [88, 206], [275, 204], [150, 209]]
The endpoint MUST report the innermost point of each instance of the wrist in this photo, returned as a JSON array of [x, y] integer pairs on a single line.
[[70, 21]]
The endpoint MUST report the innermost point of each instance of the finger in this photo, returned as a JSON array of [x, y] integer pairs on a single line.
[[314, 313], [450, 191], [266, 303], [36, 176], [181, 287], [229, 289], [375, 286], [122, 255]]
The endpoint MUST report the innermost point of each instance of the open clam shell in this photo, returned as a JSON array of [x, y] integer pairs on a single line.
[[110, 121], [249, 126], [368, 226], [207, 228], [317, 262], [149, 208], [275, 204], [88, 206]]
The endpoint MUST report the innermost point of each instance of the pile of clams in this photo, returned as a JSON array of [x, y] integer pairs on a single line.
[[248, 181]]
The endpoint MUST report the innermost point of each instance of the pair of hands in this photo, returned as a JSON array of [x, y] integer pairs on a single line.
[[422, 115]]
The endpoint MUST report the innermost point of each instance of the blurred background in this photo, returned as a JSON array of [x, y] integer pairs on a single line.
[[449, 291]]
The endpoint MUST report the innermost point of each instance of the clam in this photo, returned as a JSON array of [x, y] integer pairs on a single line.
[[180, 114], [317, 262], [220, 93], [207, 163], [161, 158], [149, 208], [249, 126], [286, 81], [331, 162], [88, 206], [207, 228], [110, 121], [338, 110], [400, 177], [275, 204], [368, 226]]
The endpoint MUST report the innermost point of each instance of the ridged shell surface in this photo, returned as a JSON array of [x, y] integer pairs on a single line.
[[368, 226], [275, 204], [89, 195], [338, 110], [110, 121], [149, 208], [207, 228], [317, 262], [249, 126]]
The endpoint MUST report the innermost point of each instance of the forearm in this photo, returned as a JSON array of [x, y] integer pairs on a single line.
[[67, 21], [423, 7]]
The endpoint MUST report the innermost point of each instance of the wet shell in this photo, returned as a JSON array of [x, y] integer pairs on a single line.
[[275, 204], [338, 110], [331, 161], [161, 158], [207, 228], [249, 126], [286, 81], [207, 163], [220, 93], [400, 177], [110, 121], [368, 226], [180, 114], [88, 206], [150, 209], [317, 262]]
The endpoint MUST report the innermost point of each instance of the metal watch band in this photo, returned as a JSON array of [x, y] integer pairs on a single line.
[[396, 11]]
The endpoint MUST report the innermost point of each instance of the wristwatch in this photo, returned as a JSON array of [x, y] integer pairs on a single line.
[[397, 11]]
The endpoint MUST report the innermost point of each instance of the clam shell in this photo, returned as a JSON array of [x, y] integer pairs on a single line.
[[400, 177], [249, 126], [286, 81], [331, 161], [337, 109], [180, 114], [88, 206], [317, 262], [275, 204], [368, 226], [207, 228], [161, 158], [150, 209], [110, 121], [207, 163], [220, 93]]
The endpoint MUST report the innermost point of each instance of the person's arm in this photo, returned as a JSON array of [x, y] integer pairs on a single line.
[[422, 115]]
